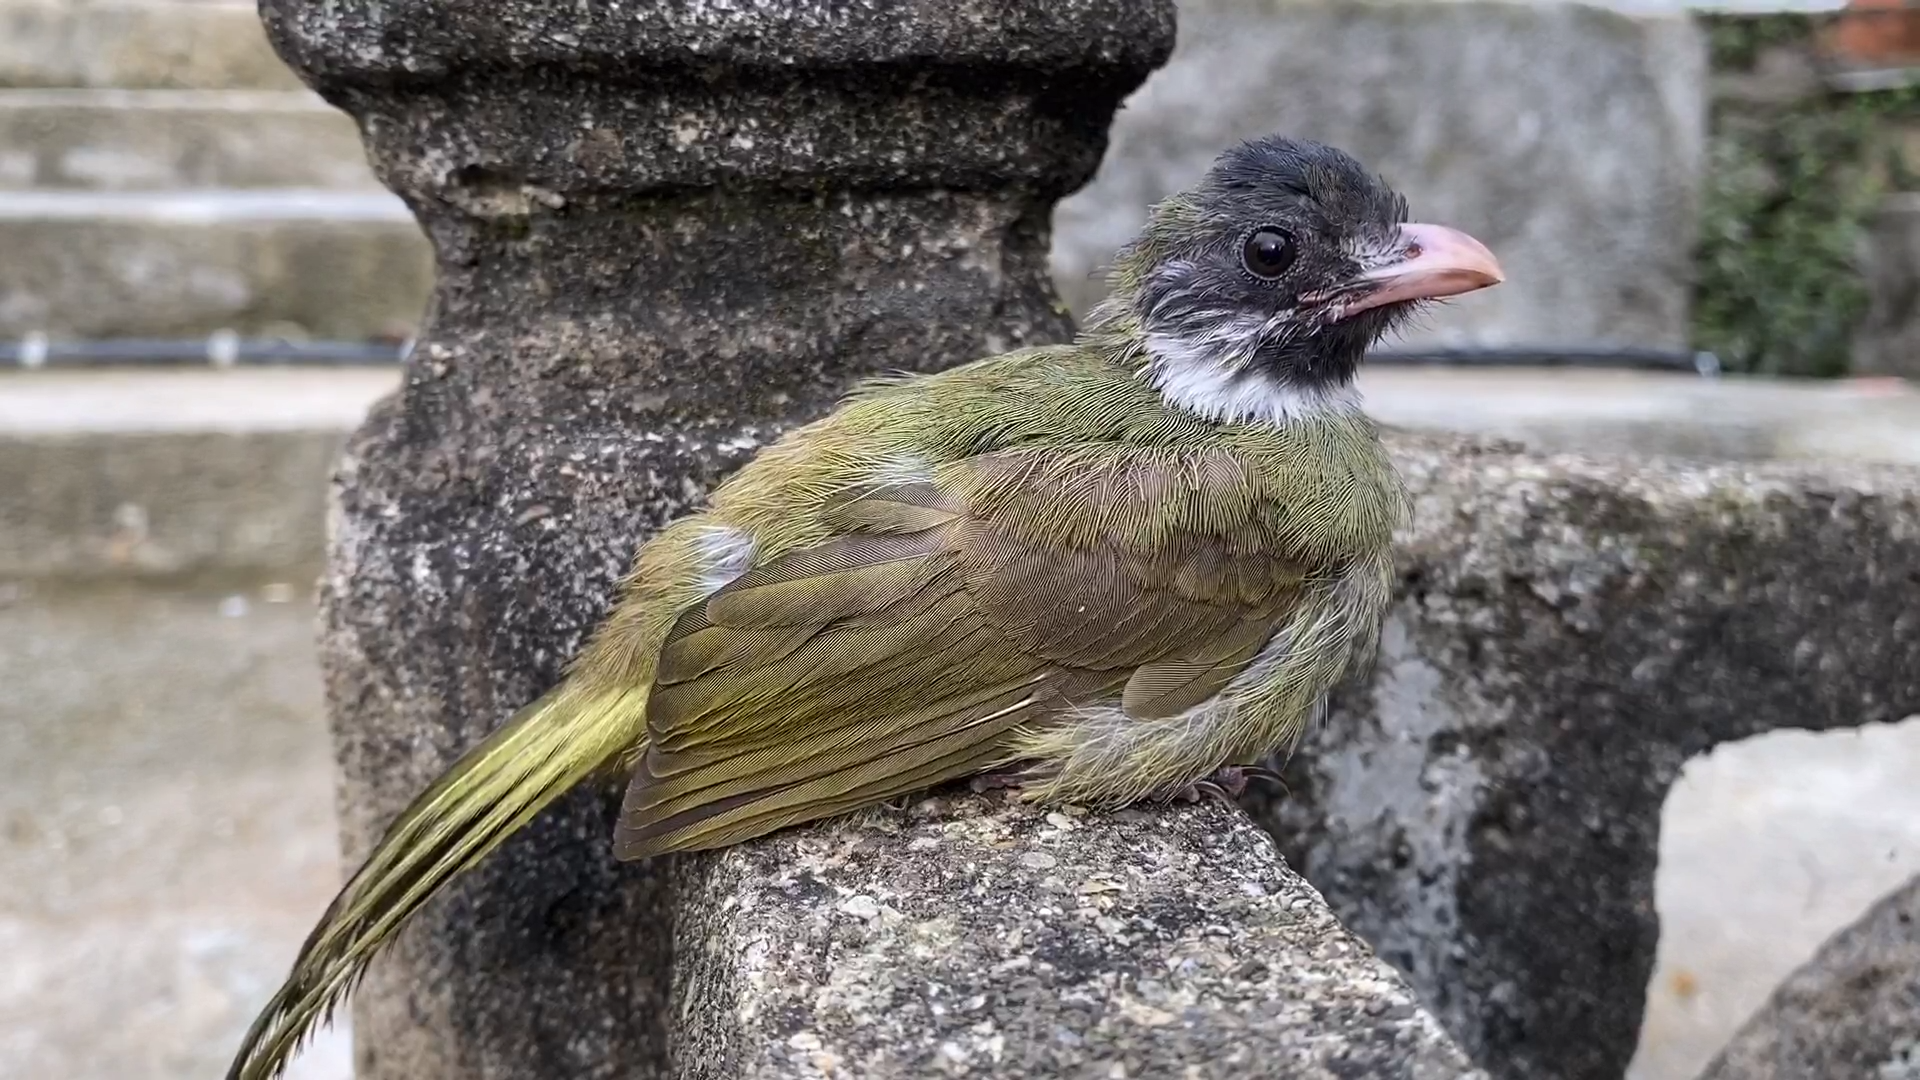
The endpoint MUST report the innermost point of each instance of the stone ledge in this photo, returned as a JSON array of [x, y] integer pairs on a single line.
[[350, 265], [1092, 36], [157, 140], [1638, 415], [1485, 809], [163, 505], [160, 474], [205, 45], [974, 936], [912, 95]]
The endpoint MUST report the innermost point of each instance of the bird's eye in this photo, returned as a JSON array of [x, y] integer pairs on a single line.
[[1268, 252]]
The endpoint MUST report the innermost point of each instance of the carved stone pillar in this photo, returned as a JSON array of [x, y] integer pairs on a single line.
[[665, 232]]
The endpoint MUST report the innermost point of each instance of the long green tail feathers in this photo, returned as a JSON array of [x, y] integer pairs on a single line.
[[485, 797]]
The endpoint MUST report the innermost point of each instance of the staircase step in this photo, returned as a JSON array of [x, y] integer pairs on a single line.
[[324, 264], [203, 45], [154, 140]]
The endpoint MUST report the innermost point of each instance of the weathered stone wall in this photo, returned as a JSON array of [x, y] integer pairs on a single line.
[[1570, 632], [1569, 138]]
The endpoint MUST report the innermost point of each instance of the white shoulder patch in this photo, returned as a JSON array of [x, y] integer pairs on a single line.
[[725, 554], [901, 470], [1203, 380]]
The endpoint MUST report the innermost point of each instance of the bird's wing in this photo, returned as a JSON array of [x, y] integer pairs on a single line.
[[907, 650]]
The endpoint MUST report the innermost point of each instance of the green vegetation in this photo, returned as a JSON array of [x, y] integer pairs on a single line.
[[1791, 187]]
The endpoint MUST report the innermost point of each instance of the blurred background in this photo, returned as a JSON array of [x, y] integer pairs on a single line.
[[1710, 220]]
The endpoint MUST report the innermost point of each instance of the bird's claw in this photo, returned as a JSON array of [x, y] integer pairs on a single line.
[[1226, 784], [1014, 777], [995, 781]]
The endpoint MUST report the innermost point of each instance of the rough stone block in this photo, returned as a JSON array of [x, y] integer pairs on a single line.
[[1853, 1010], [138, 44], [1569, 633], [1768, 848], [334, 265], [977, 937], [1570, 139], [161, 140]]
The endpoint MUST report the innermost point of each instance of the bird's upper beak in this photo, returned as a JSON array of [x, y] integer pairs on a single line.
[[1434, 262]]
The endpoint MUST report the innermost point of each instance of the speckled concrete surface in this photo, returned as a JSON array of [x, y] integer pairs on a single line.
[[976, 936]]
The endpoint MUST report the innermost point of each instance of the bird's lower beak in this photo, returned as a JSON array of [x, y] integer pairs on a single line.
[[1435, 262]]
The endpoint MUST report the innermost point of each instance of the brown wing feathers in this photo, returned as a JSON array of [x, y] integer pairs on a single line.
[[909, 651], [847, 671], [1170, 687]]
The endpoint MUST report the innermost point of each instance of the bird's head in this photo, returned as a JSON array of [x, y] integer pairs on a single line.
[[1255, 293]]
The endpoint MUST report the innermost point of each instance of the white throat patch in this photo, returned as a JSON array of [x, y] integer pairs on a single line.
[[1210, 379]]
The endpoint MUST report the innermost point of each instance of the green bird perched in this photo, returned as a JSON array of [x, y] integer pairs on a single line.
[[1104, 572]]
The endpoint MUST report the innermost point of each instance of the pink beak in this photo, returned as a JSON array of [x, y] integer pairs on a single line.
[[1436, 262]]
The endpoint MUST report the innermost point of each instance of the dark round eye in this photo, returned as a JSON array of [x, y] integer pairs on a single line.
[[1268, 252]]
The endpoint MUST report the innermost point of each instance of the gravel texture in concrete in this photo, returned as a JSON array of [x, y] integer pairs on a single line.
[[978, 937]]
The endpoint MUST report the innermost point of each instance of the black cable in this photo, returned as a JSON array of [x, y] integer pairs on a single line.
[[1701, 363]]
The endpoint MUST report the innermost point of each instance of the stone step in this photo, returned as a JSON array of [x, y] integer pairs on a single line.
[[205, 45], [171, 472], [347, 265], [158, 140]]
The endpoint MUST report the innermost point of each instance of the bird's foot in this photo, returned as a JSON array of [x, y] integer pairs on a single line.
[[1227, 784], [1008, 778]]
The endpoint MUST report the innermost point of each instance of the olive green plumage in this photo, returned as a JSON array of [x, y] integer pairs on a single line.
[[1080, 563], [957, 572]]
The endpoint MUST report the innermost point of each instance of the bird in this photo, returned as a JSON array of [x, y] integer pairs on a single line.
[[1104, 573]]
